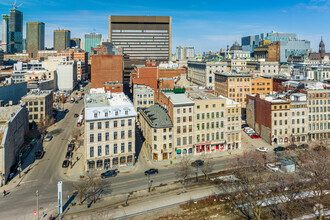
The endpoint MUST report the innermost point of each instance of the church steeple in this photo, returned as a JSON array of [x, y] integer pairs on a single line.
[[322, 48]]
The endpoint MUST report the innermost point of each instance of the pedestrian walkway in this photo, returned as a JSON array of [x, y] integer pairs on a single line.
[[139, 206]]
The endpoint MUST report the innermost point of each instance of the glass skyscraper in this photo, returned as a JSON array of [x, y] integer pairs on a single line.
[[92, 40]]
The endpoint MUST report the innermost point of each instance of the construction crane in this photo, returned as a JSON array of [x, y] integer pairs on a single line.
[[15, 6]]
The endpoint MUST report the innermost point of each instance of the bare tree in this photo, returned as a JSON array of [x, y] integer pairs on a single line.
[[184, 170], [81, 187], [286, 194], [314, 167], [75, 133], [96, 186], [244, 197], [44, 123], [207, 165]]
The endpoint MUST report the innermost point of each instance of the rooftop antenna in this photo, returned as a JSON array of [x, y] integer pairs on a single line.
[[15, 6]]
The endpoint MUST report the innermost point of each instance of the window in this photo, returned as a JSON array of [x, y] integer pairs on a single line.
[[116, 113], [115, 149], [155, 138], [107, 150], [99, 137], [198, 107], [178, 131], [115, 135], [95, 115], [115, 124], [123, 147], [122, 123], [129, 133], [91, 138], [99, 151], [190, 118], [106, 114], [178, 111], [36, 109], [129, 146], [129, 122], [206, 106], [91, 151], [106, 124], [184, 110], [91, 126], [178, 119], [99, 125], [107, 136], [197, 116], [184, 119], [122, 134], [126, 112], [178, 141], [184, 140]]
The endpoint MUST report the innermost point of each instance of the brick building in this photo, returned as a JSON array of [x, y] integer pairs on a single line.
[[261, 85], [233, 86], [105, 69], [145, 76]]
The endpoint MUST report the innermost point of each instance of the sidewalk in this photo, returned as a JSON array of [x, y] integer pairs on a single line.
[[142, 203]]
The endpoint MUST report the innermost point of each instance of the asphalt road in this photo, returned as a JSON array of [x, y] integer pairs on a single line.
[[44, 174]]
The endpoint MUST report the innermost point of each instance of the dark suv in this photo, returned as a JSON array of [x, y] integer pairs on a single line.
[[151, 171], [109, 173]]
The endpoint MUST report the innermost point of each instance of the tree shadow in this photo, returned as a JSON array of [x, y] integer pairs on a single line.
[[70, 200], [56, 131]]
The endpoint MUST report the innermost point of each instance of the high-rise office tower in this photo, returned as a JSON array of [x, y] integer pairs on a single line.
[[35, 37], [5, 33], [92, 40], [142, 37], [61, 39], [15, 31], [75, 42]]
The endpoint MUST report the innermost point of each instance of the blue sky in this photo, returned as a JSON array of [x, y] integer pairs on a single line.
[[207, 25]]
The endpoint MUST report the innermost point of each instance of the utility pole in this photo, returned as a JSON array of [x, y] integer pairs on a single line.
[[37, 194]]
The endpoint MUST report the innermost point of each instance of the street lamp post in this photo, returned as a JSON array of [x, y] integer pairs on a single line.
[[37, 194]]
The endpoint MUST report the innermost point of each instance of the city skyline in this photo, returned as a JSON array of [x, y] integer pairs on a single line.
[[205, 25]]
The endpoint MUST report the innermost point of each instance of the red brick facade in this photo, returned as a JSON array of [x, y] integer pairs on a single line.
[[106, 68]]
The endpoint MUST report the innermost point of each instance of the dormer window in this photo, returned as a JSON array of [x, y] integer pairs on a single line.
[[116, 113], [95, 115], [126, 112], [106, 114]]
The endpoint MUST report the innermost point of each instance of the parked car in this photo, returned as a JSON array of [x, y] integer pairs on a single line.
[[68, 155], [245, 125], [151, 171], [48, 137], [39, 154], [272, 167], [71, 146], [262, 149], [65, 164], [255, 136], [109, 173], [197, 163], [279, 149]]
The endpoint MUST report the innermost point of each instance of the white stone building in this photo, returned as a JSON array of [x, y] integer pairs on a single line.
[[66, 75], [109, 130]]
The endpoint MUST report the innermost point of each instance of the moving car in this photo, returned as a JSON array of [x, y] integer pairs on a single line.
[[109, 173], [48, 137], [151, 171], [65, 164], [39, 154], [279, 149], [197, 163], [68, 155], [262, 149], [76, 115]]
